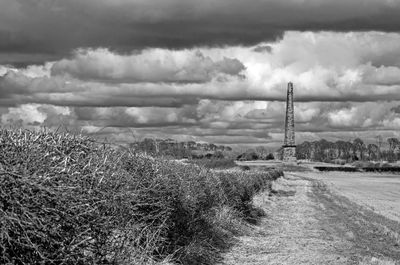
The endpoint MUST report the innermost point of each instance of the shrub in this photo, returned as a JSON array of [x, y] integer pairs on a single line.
[[362, 164], [343, 169], [69, 200], [244, 167], [270, 156], [339, 161], [223, 163]]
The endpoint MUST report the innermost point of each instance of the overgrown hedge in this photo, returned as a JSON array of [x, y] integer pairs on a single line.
[[343, 169], [214, 163], [65, 199], [379, 169]]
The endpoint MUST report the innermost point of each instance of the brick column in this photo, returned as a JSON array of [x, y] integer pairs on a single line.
[[289, 145]]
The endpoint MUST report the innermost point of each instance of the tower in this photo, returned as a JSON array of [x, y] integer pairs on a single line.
[[289, 146]]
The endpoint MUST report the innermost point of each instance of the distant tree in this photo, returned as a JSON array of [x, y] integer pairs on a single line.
[[270, 156], [393, 143], [248, 156], [320, 150], [218, 154], [261, 152], [191, 145], [359, 148], [252, 156], [304, 150], [212, 147], [148, 145], [208, 156], [345, 150], [373, 151], [379, 141]]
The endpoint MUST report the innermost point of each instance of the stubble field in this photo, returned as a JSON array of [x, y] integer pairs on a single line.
[[325, 218], [378, 192]]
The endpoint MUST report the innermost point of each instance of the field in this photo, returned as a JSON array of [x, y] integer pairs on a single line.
[[378, 192], [67, 199], [324, 218]]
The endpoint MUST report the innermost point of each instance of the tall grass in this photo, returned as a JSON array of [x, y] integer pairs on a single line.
[[66, 199]]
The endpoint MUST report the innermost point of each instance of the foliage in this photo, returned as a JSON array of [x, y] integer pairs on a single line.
[[179, 150], [326, 151], [66, 199], [270, 156], [222, 163], [248, 156], [259, 153]]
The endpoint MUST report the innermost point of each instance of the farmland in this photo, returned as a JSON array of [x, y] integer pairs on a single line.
[[325, 218], [67, 199], [378, 192]]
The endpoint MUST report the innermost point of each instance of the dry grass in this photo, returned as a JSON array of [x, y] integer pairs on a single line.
[[379, 192], [377, 261], [69, 200], [307, 224]]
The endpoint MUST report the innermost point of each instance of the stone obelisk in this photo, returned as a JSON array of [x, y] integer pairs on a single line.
[[289, 146]]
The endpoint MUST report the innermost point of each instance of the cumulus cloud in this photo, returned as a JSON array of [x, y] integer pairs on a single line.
[[345, 84], [151, 65], [323, 66], [133, 116], [37, 114]]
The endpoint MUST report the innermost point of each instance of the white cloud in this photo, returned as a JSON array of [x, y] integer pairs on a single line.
[[344, 82], [34, 114]]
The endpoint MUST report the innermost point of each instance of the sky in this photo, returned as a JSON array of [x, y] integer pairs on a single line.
[[208, 71]]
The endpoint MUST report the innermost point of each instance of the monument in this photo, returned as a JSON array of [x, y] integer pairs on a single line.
[[289, 146]]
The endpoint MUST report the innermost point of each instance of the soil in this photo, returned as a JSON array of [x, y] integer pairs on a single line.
[[308, 223]]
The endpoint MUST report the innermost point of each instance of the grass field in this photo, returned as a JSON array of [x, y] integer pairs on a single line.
[[378, 192], [311, 222], [324, 218]]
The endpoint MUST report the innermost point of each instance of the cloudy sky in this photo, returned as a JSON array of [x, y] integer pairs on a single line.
[[209, 70]]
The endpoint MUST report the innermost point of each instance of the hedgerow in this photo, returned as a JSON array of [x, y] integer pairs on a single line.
[[214, 163], [66, 199]]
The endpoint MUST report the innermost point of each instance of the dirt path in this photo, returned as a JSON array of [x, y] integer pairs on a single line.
[[307, 224]]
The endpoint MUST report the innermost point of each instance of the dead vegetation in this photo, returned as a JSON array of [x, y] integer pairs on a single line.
[[66, 199]]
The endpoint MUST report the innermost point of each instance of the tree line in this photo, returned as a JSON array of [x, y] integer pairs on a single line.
[[179, 150], [326, 151]]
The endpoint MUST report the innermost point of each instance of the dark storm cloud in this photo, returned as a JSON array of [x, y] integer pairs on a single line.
[[263, 48], [150, 65], [58, 26]]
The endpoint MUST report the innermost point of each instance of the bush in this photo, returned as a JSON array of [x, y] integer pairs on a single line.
[[248, 156], [339, 161], [223, 163], [244, 167], [69, 200], [270, 156], [362, 164], [343, 169]]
